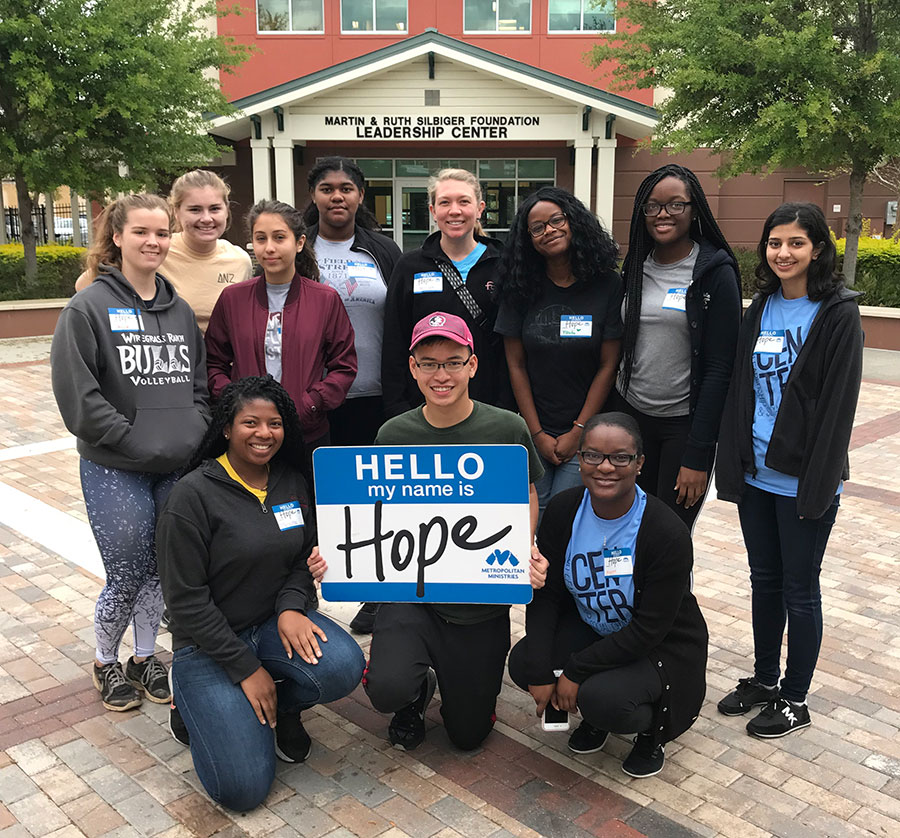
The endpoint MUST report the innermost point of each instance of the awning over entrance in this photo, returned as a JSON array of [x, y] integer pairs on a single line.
[[434, 89]]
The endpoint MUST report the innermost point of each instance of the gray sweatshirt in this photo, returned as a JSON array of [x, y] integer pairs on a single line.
[[129, 376]]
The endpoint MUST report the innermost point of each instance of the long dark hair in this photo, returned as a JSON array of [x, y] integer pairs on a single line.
[[822, 277], [365, 218], [305, 260], [592, 252], [640, 243], [236, 396]]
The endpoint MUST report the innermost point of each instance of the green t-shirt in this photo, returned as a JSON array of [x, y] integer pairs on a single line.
[[485, 425]]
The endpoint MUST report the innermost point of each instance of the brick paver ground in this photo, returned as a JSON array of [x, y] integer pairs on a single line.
[[69, 769]]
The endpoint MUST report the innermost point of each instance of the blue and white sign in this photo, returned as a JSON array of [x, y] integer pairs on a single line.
[[418, 523]]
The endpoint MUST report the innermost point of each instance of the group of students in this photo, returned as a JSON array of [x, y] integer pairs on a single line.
[[626, 386]]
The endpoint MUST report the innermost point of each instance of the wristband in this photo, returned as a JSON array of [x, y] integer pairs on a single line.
[[537, 433]]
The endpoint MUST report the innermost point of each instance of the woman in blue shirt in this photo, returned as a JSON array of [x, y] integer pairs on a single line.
[[616, 632], [783, 452]]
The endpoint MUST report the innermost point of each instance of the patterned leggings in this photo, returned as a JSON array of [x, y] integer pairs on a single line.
[[122, 507]]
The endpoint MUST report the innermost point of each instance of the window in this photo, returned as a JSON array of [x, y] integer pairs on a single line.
[[373, 16], [497, 16], [582, 16], [290, 16]]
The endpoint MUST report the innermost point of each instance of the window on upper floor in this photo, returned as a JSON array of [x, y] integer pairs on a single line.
[[582, 16], [290, 16], [497, 16], [373, 16]]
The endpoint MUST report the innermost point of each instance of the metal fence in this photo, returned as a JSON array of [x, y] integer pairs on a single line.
[[62, 224]]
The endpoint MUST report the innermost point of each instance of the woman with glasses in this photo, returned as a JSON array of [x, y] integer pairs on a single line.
[[560, 297], [615, 633], [682, 312]]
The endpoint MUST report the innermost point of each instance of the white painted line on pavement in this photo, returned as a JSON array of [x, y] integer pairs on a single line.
[[32, 449]]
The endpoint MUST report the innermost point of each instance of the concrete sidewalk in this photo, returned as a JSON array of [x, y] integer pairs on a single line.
[[71, 769]]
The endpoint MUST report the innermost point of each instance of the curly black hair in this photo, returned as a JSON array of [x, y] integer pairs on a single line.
[[305, 261], [234, 397], [592, 254], [640, 243], [822, 277], [365, 218]]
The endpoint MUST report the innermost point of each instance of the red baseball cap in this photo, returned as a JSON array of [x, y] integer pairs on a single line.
[[441, 324]]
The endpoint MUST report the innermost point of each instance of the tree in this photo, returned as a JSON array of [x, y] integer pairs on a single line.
[[770, 83], [105, 95]]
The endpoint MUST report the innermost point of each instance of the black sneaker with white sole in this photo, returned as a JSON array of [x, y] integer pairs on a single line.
[[292, 742], [116, 692], [151, 676], [748, 694], [646, 758], [177, 727], [587, 739], [407, 729], [779, 718]]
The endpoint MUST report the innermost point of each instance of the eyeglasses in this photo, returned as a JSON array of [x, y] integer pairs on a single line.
[[619, 460], [557, 222], [651, 208], [450, 366]]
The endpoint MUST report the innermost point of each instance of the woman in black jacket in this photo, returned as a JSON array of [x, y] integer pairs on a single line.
[[783, 452], [232, 542], [616, 632], [682, 313]]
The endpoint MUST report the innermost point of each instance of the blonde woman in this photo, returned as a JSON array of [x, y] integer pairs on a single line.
[[454, 271], [200, 263]]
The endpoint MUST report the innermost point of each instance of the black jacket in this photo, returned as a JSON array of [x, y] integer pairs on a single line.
[[403, 309], [666, 627], [226, 566], [812, 430], [377, 245]]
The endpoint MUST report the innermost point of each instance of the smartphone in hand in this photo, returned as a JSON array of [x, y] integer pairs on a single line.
[[554, 719]]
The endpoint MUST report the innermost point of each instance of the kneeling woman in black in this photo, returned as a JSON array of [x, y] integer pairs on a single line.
[[232, 541], [616, 615]]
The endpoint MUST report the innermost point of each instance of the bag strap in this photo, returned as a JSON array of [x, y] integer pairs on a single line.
[[458, 284]]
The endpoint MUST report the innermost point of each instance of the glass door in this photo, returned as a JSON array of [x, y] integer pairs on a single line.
[[411, 196]]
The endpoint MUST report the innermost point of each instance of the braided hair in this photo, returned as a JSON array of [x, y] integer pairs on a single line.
[[365, 218], [234, 398], [305, 261], [592, 253], [640, 243]]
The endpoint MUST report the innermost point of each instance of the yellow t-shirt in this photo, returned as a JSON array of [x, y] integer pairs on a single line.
[[199, 278], [259, 494]]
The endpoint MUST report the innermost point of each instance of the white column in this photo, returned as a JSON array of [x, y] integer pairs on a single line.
[[284, 169], [262, 175], [2, 215], [606, 181], [75, 203], [49, 220], [582, 185]]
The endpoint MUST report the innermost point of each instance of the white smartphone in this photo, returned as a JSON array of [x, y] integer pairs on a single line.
[[554, 719]]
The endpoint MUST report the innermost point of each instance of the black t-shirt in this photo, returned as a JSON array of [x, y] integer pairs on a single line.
[[562, 333]]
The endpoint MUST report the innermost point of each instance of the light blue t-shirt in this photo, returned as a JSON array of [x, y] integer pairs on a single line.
[[783, 328], [465, 265], [600, 564]]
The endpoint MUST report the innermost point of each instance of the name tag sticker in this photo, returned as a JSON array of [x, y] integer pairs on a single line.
[[125, 320], [770, 342], [617, 562], [675, 298], [429, 282], [362, 270], [575, 325], [288, 515]]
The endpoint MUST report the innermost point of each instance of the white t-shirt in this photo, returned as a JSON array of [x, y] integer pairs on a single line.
[[277, 294], [356, 277]]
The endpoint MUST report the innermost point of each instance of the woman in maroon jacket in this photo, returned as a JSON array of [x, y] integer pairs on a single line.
[[284, 323]]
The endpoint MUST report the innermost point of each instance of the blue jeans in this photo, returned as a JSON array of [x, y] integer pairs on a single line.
[[785, 554], [555, 479], [234, 755]]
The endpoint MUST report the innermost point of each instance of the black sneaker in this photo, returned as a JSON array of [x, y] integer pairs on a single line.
[[164, 620], [779, 718], [292, 742], [748, 694], [586, 739], [115, 691], [407, 729], [151, 676], [364, 621], [646, 757], [177, 727]]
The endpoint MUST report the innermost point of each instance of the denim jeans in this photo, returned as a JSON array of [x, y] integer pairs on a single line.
[[785, 554], [555, 479], [234, 755]]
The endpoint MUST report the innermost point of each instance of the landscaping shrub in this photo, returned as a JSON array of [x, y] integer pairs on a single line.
[[58, 268]]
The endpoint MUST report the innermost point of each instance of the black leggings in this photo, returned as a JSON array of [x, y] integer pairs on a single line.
[[467, 659], [665, 438], [620, 700]]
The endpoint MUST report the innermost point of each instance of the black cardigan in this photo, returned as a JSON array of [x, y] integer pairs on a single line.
[[812, 429], [666, 627]]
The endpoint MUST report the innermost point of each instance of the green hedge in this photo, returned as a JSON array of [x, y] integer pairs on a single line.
[[58, 268], [877, 270]]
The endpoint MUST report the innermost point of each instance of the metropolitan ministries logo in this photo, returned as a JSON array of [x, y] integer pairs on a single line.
[[503, 564]]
